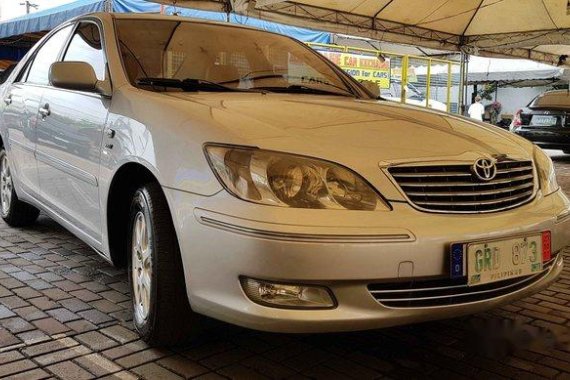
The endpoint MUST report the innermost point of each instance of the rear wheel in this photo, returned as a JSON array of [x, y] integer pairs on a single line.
[[161, 311], [14, 212]]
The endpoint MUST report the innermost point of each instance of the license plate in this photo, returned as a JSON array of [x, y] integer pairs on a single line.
[[543, 121], [498, 260]]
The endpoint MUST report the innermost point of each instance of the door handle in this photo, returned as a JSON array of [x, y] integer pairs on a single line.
[[44, 111], [8, 100]]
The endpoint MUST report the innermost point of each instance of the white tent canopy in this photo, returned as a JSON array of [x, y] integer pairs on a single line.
[[532, 29]]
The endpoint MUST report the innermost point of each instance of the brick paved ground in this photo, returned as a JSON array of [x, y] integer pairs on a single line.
[[64, 313]]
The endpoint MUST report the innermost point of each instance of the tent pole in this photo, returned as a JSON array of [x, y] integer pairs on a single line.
[[463, 82], [108, 6]]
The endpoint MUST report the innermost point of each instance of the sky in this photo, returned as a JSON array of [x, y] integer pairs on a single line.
[[12, 8]]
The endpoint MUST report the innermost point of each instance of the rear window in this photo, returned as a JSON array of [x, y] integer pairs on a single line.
[[558, 99]]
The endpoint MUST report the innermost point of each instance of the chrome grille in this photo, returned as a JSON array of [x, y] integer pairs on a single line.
[[455, 189], [445, 291]]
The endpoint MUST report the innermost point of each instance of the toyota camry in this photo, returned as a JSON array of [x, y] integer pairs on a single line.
[[240, 175]]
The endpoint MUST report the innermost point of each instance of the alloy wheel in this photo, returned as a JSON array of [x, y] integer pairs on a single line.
[[5, 185], [141, 268]]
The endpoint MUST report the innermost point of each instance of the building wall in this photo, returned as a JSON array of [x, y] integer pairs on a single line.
[[511, 98]]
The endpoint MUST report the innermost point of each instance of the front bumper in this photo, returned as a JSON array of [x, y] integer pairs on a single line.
[[223, 238]]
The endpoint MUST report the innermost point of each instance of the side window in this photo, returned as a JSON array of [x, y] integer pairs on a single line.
[[47, 55], [85, 46]]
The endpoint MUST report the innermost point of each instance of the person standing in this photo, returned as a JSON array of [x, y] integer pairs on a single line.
[[476, 110]]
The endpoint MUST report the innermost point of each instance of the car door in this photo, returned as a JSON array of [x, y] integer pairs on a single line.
[[69, 137], [22, 102]]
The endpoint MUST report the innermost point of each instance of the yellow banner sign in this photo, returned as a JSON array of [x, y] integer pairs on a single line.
[[362, 67]]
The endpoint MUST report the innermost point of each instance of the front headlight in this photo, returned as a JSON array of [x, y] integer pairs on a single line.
[[546, 174], [289, 180]]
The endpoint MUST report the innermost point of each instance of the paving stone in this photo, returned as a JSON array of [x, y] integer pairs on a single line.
[[50, 326], [95, 316], [26, 292], [152, 371], [15, 367], [10, 356], [97, 364], [62, 355], [33, 337], [42, 303], [34, 374], [74, 304], [5, 312], [85, 295], [114, 296], [13, 302], [123, 375], [69, 371], [120, 334], [54, 345], [182, 366], [7, 338], [39, 284], [63, 315], [30, 313], [142, 357], [96, 341], [16, 325], [105, 306], [81, 326]]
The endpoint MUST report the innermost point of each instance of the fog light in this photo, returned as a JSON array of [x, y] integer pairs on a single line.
[[288, 296]]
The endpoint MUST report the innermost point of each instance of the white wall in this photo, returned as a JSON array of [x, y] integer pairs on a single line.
[[511, 98]]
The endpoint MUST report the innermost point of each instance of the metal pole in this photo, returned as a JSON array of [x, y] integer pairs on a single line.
[[449, 73], [29, 6], [108, 6], [428, 82], [463, 82], [404, 80]]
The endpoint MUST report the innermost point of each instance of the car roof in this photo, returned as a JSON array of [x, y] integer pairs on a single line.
[[554, 99]]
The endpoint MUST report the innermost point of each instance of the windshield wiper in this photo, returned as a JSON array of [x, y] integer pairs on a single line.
[[190, 84], [302, 89]]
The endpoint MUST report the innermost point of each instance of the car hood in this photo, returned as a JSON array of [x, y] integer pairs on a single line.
[[344, 128]]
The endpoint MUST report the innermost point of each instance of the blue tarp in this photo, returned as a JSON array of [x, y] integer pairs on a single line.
[[141, 6], [49, 18]]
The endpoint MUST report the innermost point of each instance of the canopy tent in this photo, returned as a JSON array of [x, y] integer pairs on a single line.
[[531, 78], [533, 29]]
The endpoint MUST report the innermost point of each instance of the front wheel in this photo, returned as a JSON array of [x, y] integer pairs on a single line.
[[14, 212], [161, 311]]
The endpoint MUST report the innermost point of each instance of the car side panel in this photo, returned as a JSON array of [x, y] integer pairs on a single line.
[[19, 120], [68, 156]]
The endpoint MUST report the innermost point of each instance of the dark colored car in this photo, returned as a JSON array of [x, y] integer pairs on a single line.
[[546, 120]]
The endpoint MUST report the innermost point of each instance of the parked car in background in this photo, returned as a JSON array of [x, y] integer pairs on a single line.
[[546, 120], [239, 174], [414, 96]]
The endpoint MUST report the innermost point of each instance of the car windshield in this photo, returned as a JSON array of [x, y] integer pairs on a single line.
[[230, 56]]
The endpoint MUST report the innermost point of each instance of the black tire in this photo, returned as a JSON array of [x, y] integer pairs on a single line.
[[169, 319], [14, 212]]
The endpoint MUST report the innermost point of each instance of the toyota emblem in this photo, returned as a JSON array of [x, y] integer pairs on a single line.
[[485, 169]]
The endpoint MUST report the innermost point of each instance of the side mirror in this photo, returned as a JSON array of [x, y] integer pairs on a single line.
[[372, 87], [71, 75]]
